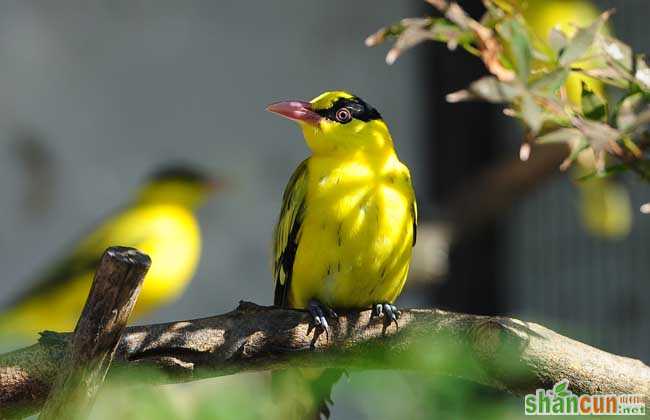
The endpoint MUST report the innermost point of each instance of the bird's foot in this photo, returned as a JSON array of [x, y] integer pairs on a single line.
[[388, 311], [319, 313]]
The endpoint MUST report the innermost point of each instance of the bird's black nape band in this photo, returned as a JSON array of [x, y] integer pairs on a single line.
[[359, 109], [180, 172]]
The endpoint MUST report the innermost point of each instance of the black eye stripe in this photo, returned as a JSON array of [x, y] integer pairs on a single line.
[[357, 107]]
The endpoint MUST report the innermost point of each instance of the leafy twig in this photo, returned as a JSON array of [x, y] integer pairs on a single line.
[[527, 75]]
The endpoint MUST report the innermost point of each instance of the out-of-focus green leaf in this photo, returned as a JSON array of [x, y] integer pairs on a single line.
[[531, 113], [600, 135], [593, 106], [516, 39], [541, 56], [642, 72], [557, 40], [609, 75], [570, 136], [561, 135], [582, 41], [607, 172], [528, 75], [642, 120], [602, 138], [627, 110], [618, 51], [445, 31], [632, 147], [550, 82], [385, 33], [413, 31], [578, 146], [508, 6], [488, 88]]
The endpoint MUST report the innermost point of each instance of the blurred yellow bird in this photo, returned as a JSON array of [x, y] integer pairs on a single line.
[[348, 218], [160, 221]]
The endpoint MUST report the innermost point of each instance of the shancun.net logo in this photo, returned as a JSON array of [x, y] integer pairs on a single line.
[[561, 401]]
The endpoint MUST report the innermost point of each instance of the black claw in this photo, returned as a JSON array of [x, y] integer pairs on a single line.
[[325, 325], [319, 314], [388, 311]]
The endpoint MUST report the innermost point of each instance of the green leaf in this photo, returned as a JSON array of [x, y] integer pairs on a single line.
[[602, 138], [507, 6], [573, 137], [557, 40], [488, 88], [607, 172], [531, 113], [409, 32], [618, 51], [550, 82], [600, 135], [608, 74], [577, 147], [561, 135], [445, 31], [413, 31], [631, 146], [560, 387], [628, 108], [642, 74], [516, 38], [582, 41], [593, 106]]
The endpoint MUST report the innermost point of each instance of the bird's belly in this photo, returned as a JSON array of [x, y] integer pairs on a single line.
[[354, 251], [172, 268]]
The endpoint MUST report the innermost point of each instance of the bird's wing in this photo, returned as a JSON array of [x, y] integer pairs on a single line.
[[414, 215], [118, 230], [287, 232]]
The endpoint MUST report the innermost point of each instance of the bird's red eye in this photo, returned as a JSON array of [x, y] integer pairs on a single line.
[[343, 115]]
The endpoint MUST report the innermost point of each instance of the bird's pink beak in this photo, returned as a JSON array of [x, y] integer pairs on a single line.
[[299, 111]]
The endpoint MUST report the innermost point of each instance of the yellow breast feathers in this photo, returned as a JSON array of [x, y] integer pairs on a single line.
[[356, 230]]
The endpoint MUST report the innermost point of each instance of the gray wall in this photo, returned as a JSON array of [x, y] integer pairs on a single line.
[[113, 88]]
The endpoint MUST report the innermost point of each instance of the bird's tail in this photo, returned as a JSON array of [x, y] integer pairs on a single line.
[[304, 393]]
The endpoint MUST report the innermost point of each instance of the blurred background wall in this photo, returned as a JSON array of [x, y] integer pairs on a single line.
[[94, 95]]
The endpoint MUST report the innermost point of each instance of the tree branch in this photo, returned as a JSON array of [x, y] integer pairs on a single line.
[[500, 352], [111, 299]]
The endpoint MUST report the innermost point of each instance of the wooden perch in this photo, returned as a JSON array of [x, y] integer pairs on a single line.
[[500, 352], [112, 296]]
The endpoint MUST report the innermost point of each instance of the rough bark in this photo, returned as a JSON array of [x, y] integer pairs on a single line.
[[500, 352], [111, 299]]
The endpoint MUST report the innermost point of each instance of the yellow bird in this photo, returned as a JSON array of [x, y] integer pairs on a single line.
[[348, 218], [160, 221]]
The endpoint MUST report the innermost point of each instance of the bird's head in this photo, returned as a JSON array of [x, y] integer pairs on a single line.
[[337, 122], [182, 185]]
